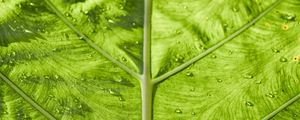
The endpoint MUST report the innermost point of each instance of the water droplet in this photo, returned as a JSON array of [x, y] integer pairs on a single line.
[[270, 95], [79, 106], [124, 59], [275, 50], [179, 111], [289, 17], [219, 80], [179, 58], [74, 20], [54, 49], [248, 103], [137, 42], [28, 31], [213, 56], [13, 53], [258, 82], [283, 59], [235, 9], [31, 4], [190, 74], [110, 21], [86, 12], [113, 92], [81, 38], [193, 113], [121, 99], [47, 77], [133, 24], [178, 32], [248, 76], [56, 76], [192, 89], [67, 14], [5, 112], [295, 115]]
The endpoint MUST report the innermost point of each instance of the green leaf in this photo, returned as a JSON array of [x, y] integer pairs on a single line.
[[144, 59]]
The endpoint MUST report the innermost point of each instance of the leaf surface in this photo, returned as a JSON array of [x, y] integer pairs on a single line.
[[103, 59]]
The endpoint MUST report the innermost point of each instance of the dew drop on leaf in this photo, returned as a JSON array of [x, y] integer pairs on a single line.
[[86, 12], [270, 95], [190, 74], [258, 82], [193, 113], [289, 17], [113, 92], [177, 110], [121, 99], [124, 59], [192, 89], [56, 76], [74, 20], [283, 59], [79, 106], [67, 14], [248, 76], [110, 21], [178, 32], [219, 80], [275, 50], [213, 56], [81, 38], [31, 4], [179, 58], [235, 9], [248, 103], [47, 77], [13, 53]]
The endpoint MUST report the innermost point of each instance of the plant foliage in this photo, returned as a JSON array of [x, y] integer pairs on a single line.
[[201, 59]]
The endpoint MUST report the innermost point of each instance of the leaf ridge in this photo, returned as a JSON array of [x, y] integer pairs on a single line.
[[26, 97], [216, 46], [289, 102], [146, 84], [90, 43]]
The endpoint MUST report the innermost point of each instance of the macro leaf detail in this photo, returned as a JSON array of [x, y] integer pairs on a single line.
[[149, 59]]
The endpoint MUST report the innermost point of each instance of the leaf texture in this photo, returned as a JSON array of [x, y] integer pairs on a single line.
[[94, 59]]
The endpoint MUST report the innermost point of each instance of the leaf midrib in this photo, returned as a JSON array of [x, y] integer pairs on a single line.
[[136, 75]]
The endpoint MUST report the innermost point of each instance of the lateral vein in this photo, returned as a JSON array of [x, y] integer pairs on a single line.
[[288, 103], [26, 97], [216, 46], [90, 42]]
